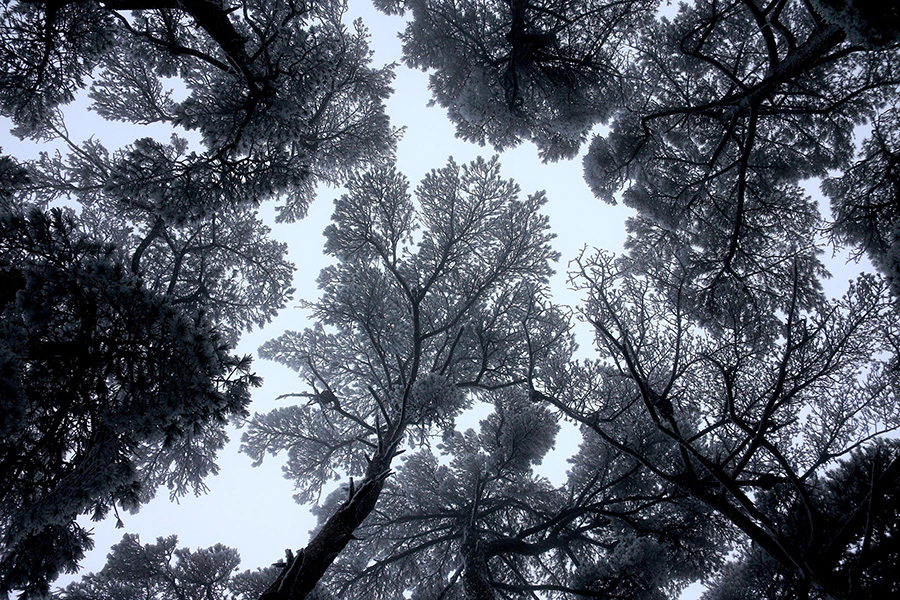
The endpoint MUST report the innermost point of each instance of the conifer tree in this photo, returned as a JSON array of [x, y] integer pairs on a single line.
[[423, 309]]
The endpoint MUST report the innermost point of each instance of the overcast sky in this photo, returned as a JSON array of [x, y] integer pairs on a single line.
[[251, 509]]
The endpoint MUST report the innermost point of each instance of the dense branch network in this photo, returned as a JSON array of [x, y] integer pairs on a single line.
[[416, 328], [737, 425], [119, 311]]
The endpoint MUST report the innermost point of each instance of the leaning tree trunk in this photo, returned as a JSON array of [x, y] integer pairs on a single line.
[[303, 571]]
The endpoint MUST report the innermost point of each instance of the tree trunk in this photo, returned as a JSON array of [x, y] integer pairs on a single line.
[[476, 577], [301, 575]]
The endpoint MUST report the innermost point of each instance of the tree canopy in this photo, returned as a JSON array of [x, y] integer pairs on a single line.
[[281, 94], [753, 426], [407, 330], [162, 571], [711, 115], [738, 426], [109, 391], [473, 520], [122, 302]]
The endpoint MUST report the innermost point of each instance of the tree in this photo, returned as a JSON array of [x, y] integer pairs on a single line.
[[432, 532], [726, 383], [281, 93], [183, 223], [125, 312], [864, 198], [473, 521], [162, 571], [508, 71], [108, 391], [713, 116], [750, 424], [724, 348], [747, 99], [870, 552], [282, 97], [411, 322]]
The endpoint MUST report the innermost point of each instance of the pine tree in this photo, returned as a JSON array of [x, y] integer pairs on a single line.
[[423, 309]]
